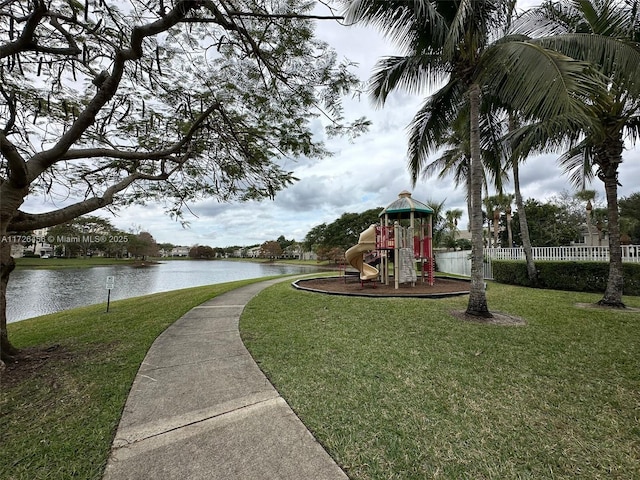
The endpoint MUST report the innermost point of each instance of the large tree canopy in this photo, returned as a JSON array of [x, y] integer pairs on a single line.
[[108, 103], [344, 232]]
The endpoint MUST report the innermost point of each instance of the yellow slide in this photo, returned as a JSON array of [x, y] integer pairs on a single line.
[[355, 257]]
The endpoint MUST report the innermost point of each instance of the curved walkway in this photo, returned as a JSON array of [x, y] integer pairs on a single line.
[[200, 408]]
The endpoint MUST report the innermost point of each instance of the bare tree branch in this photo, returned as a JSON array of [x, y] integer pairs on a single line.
[[26, 41], [233, 13], [17, 165], [108, 87], [133, 155], [27, 221]]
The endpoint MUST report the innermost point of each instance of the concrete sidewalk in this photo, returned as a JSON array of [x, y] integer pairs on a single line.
[[200, 408]]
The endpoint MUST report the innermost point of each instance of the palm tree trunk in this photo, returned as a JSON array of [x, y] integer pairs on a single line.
[[509, 231], [477, 305], [522, 217], [532, 273], [496, 228], [469, 201], [612, 152]]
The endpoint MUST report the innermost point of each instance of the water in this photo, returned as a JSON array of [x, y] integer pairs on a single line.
[[37, 292]]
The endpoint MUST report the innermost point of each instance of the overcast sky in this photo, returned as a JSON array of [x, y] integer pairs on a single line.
[[365, 173]]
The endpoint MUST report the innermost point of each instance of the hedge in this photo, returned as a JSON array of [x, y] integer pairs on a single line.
[[566, 275]]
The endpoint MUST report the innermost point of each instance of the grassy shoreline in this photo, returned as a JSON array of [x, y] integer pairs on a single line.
[[51, 263]]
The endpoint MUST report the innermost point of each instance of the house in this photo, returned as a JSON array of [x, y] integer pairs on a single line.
[[180, 251]]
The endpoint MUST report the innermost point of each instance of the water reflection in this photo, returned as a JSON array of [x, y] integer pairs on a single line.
[[38, 292]]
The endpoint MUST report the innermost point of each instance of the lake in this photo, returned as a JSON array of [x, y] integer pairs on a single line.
[[37, 292]]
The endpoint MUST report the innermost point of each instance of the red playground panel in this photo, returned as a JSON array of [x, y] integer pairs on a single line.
[[385, 238]]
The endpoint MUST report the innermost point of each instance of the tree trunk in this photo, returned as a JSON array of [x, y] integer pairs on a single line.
[[532, 273], [10, 200], [496, 228], [7, 264], [477, 296], [509, 231], [612, 154], [469, 209]]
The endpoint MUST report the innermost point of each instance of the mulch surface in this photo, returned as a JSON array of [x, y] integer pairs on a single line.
[[350, 285]]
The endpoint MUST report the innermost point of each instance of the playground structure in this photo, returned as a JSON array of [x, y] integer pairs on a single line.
[[355, 255], [403, 238]]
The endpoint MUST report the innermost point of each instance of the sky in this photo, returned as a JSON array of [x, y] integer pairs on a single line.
[[367, 172]]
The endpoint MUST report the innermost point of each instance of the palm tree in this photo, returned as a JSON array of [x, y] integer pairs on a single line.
[[504, 201], [496, 204], [532, 272], [605, 33], [588, 196], [451, 221], [451, 42], [496, 226], [456, 158], [490, 207], [438, 221]]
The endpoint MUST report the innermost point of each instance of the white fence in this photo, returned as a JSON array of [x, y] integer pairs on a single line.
[[460, 262]]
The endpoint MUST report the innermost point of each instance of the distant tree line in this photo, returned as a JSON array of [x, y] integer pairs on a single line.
[[330, 241], [90, 235], [564, 219], [559, 221]]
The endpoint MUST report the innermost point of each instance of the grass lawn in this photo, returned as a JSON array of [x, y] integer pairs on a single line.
[[59, 416], [394, 388], [401, 389]]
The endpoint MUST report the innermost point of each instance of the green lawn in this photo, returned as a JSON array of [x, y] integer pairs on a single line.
[[58, 422], [394, 388], [401, 389]]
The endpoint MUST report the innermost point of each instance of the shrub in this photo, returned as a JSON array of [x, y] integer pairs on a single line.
[[563, 275]]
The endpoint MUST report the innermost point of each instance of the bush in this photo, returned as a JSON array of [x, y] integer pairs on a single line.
[[572, 276]]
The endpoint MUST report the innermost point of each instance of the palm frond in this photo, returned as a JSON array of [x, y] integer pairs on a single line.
[[600, 17], [411, 73], [616, 58], [632, 128], [404, 22], [452, 161], [473, 25], [535, 22], [431, 124], [558, 86], [578, 163], [550, 136]]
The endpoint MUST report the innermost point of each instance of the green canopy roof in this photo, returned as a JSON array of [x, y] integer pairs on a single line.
[[404, 205]]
